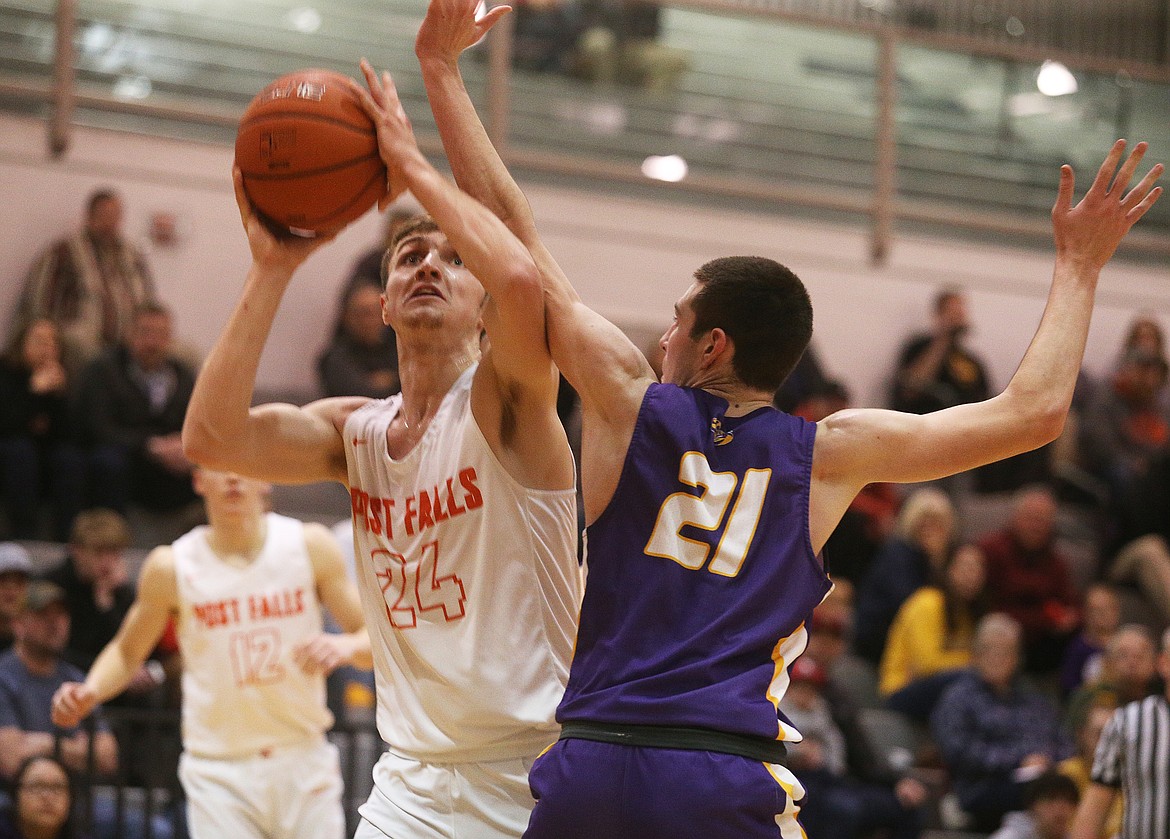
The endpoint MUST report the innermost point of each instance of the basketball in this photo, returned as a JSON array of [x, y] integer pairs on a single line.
[[309, 154]]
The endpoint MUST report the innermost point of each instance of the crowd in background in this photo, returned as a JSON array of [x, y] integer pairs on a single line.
[[992, 621]]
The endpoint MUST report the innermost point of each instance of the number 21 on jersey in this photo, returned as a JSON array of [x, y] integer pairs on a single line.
[[706, 511]]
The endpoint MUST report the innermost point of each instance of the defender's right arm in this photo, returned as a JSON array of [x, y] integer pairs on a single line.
[[275, 442], [609, 373]]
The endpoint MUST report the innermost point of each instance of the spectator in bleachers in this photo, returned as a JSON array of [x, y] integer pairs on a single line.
[[42, 802], [1050, 802], [935, 370], [909, 559], [929, 644], [39, 457], [1125, 423], [544, 35], [1079, 767], [839, 805], [15, 572], [621, 42], [1131, 759], [362, 356], [95, 579], [1129, 672], [1029, 579], [131, 404], [806, 380], [89, 284], [1100, 618], [1143, 525], [869, 520], [29, 675], [828, 646], [993, 731]]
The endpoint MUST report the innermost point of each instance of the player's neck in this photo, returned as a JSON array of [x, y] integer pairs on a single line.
[[237, 539], [741, 400], [427, 376]]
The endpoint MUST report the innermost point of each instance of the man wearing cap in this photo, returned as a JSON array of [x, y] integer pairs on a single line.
[[30, 673], [15, 570]]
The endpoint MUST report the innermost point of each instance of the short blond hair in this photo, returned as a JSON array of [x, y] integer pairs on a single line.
[[100, 529]]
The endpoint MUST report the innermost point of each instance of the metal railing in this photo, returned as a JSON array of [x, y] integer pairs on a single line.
[[143, 798], [890, 159]]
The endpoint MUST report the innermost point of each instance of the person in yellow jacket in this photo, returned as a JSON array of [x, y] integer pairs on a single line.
[[930, 638]]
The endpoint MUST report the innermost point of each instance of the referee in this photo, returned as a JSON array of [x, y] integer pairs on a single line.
[[1133, 757]]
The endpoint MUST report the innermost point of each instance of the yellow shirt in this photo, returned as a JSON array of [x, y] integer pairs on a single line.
[[1079, 769], [916, 645]]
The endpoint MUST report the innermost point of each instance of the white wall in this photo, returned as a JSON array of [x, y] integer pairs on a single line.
[[629, 258]]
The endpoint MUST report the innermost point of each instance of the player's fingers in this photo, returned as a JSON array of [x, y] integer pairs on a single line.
[[1121, 182], [390, 90], [387, 197], [489, 20], [1108, 167], [242, 202], [1065, 193], [1147, 202], [1139, 192], [371, 77]]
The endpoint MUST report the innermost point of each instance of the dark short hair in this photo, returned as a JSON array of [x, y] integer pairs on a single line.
[[99, 196], [945, 296], [408, 227], [1051, 786], [765, 311]]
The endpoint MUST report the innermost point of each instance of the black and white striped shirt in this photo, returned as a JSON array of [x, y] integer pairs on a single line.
[[1133, 755]]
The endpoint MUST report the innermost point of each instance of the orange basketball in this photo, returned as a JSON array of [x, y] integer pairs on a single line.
[[309, 154]]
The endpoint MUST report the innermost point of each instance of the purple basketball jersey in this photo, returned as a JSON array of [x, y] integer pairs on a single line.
[[700, 571]]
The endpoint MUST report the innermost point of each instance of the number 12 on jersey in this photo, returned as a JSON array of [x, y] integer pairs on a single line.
[[706, 511]]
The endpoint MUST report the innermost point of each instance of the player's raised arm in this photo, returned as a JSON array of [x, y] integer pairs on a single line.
[[449, 28], [157, 598], [857, 447], [489, 251], [605, 368], [281, 443]]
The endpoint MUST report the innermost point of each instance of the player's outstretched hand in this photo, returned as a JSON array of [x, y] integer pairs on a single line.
[[396, 141], [450, 27], [270, 250], [1091, 231], [72, 703], [323, 653]]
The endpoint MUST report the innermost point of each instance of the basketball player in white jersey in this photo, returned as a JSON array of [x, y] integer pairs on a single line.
[[463, 505], [246, 593]]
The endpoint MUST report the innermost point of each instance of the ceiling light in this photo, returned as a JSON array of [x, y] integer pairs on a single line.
[[1054, 79], [669, 167], [304, 19], [132, 87]]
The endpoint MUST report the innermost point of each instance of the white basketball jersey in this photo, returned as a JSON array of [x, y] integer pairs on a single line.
[[237, 627], [470, 586]]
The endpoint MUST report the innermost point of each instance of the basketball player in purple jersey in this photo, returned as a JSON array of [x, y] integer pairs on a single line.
[[707, 508]]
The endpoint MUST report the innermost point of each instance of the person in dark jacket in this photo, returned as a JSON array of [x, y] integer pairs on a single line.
[[39, 458], [131, 404]]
